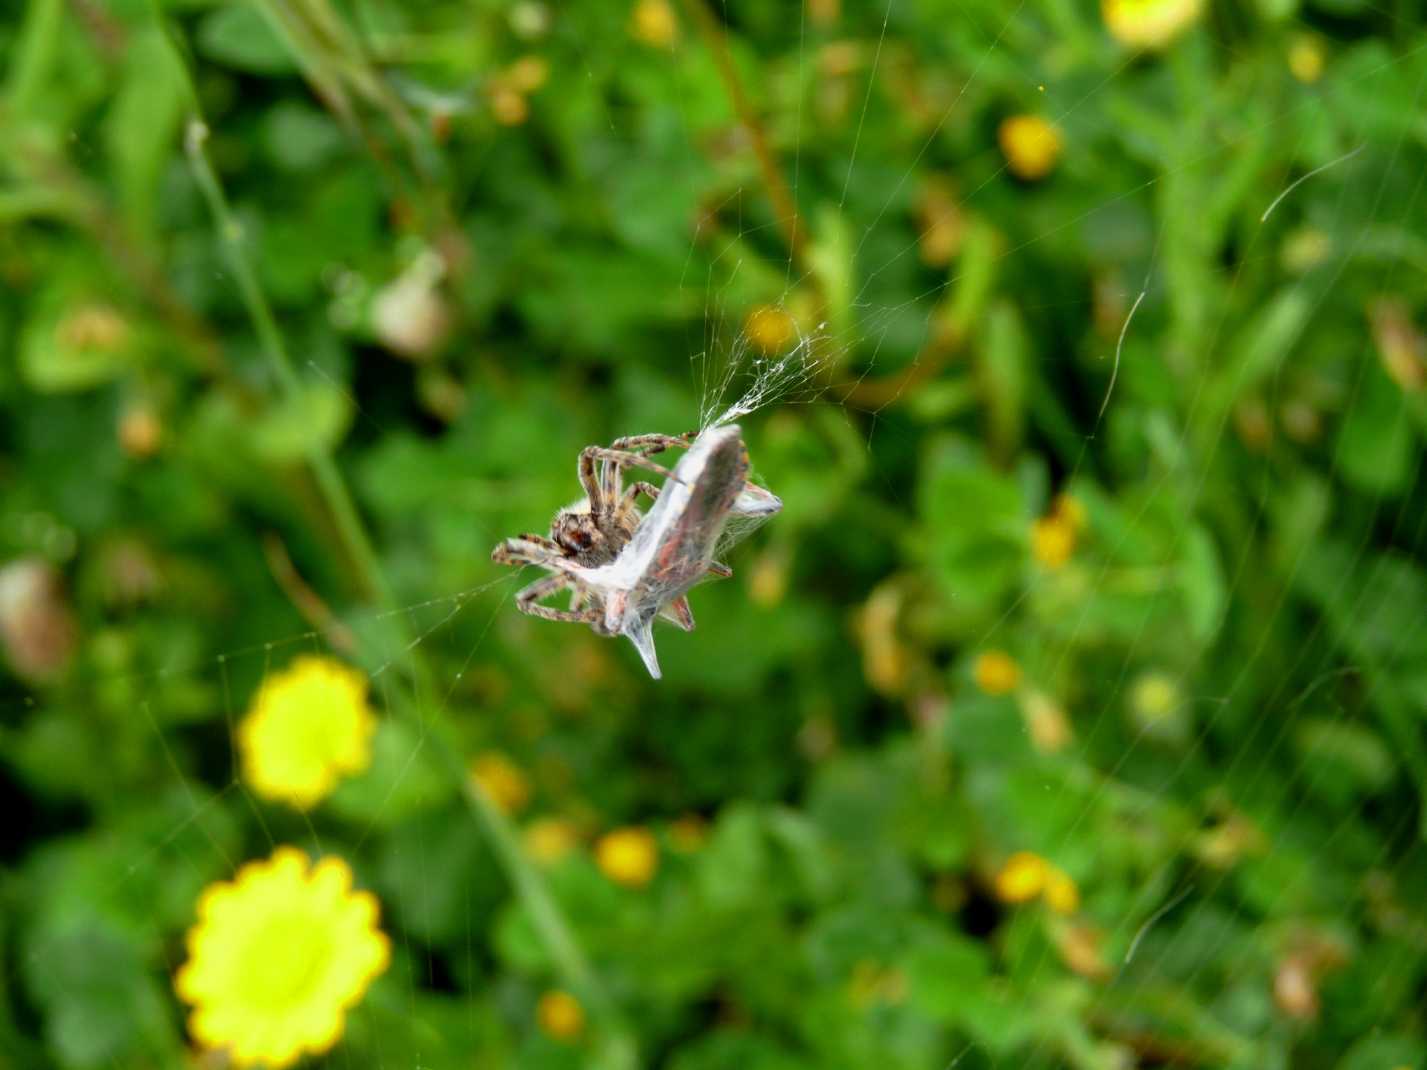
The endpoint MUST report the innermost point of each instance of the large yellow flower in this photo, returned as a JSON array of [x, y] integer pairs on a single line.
[[309, 726], [277, 957], [1149, 23]]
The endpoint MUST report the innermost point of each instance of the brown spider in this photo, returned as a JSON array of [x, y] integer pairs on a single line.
[[622, 567]]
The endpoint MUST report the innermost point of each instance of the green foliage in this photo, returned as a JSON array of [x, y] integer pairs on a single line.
[[277, 383]]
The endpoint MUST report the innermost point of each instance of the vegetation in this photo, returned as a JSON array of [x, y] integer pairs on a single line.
[[1071, 713]]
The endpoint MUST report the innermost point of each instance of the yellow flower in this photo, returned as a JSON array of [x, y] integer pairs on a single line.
[[277, 957], [141, 430], [549, 839], [502, 780], [1052, 541], [528, 74], [508, 105], [1306, 59], [1148, 23], [1068, 508], [653, 22], [560, 1015], [1030, 144], [1022, 878], [1061, 894], [770, 329], [996, 673], [628, 856], [308, 726]]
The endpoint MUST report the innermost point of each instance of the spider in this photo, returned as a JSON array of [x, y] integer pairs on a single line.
[[624, 568]]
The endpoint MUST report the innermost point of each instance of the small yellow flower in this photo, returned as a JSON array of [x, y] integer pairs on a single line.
[[1031, 146], [1149, 23], [1061, 894], [560, 1015], [1306, 59], [1069, 508], [502, 780], [768, 577], [996, 673], [549, 839], [1052, 541], [628, 856], [653, 22], [141, 431], [770, 329], [277, 958], [309, 725], [528, 74], [508, 105], [1022, 878]]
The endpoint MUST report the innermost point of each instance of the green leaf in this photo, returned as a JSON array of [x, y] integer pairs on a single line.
[[142, 124], [403, 780], [1201, 579], [1339, 750], [240, 37], [733, 867], [75, 343], [944, 974], [1375, 443], [973, 528], [294, 427], [102, 1004]]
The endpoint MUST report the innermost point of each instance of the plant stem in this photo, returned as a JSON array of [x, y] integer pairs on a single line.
[[329, 480], [784, 206]]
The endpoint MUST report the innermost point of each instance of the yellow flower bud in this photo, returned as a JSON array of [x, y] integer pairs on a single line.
[[1031, 146], [770, 329], [1061, 894], [560, 1015], [502, 780], [654, 23], [996, 673], [1306, 59], [1022, 878], [1052, 541], [628, 856]]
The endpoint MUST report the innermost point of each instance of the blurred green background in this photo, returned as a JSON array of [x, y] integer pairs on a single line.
[[1103, 536]]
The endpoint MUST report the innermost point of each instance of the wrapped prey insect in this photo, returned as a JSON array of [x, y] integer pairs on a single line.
[[623, 567]]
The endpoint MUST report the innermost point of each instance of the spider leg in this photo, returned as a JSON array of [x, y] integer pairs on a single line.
[[590, 481], [647, 444], [534, 550], [634, 490], [611, 487], [528, 601], [627, 457]]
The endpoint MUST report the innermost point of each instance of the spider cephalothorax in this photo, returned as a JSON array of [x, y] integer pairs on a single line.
[[621, 576], [589, 538]]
